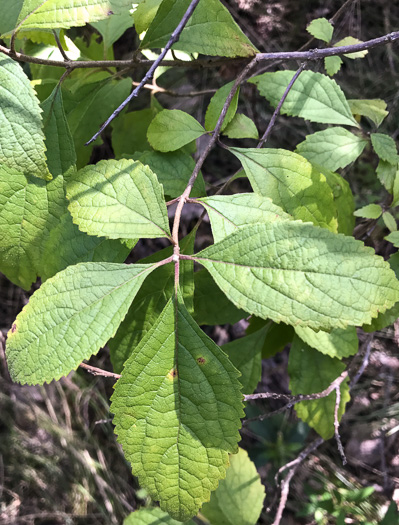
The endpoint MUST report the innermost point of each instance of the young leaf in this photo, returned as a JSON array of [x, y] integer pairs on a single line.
[[228, 212], [393, 237], [211, 30], [113, 27], [343, 199], [333, 65], [118, 200], [152, 516], [301, 275], [173, 170], [246, 355], [69, 318], [350, 41], [129, 132], [177, 412], [291, 182], [211, 306], [387, 173], [332, 148], [311, 372], [241, 127], [371, 211], [216, 105], [21, 137], [313, 97], [389, 221], [238, 500], [385, 147], [374, 109], [337, 343], [172, 129], [54, 14], [321, 28]]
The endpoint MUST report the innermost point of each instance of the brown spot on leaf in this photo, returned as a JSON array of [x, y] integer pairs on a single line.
[[201, 360], [13, 328], [172, 374], [110, 13]]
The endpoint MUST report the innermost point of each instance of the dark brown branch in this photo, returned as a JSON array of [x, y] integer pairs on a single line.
[[61, 49], [98, 371]]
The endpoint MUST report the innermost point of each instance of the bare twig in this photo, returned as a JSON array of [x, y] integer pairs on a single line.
[[148, 76], [158, 89], [336, 424], [59, 45], [98, 371]]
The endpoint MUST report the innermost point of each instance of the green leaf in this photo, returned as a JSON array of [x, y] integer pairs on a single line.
[[152, 516], [9, 15], [228, 212], [69, 318], [350, 41], [291, 182], [238, 500], [145, 14], [314, 96], [371, 211], [168, 405], [385, 147], [55, 14], [337, 343], [88, 107], [151, 300], [118, 200], [241, 127], [293, 272], [211, 30], [332, 148], [387, 173], [343, 199], [21, 137], [321, 28], [333, 65], [129, 133], [374, 109], [389, 221], [311, 372], [393, 237], [172, 129], [277, 335], [216, 105], [211, 306], [389, 317], [113, 27], [173, 170], [246, 355]]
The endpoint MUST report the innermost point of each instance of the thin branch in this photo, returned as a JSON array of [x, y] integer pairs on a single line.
[[148, 76], [158, 89], [336, 424], [276, 112], [98, 371], [61, 49]]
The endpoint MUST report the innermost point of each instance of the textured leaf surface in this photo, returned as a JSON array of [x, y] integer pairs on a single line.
[[343, 199], [172, 129], [152, 516], [374, 109], [321, 28], [173, 171], [21, 137], [337, 343], [211, 305], [332, 148], [246, 355], [238, 500], [118, 199], [291, 182], [241, 127], [313, 97], [177, 409], [332, 65], [310, 372], [211, 30], [228, 212], [69, 318], [216, 105], [385, 147], [55, 14], [301, 275]]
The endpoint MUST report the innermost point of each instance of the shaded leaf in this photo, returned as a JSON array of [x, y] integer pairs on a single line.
[[238, 500], [216, 105], [374, 109], [145, 13], [129, 132], [293, 272], [343, 199], [241, 127], [387, 173], [177, 412], [172, 129], [337, 343], [277, 335], [118, 200], [113, 27], [313, 96], [69, 318], [321, 28], [332, 148], [311, 372]]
